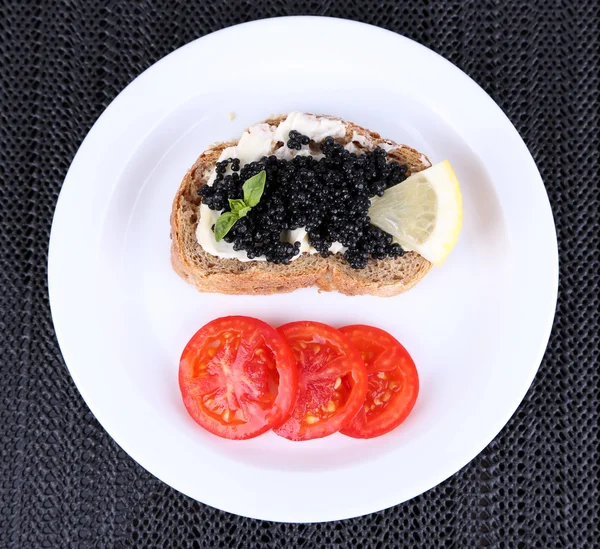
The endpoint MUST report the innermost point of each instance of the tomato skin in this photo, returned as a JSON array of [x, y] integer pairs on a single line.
[[332, 380], [393, 384], [238, 377]]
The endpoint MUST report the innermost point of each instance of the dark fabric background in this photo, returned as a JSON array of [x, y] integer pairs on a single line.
[[64, 483]]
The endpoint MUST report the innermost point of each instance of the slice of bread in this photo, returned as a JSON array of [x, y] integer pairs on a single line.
[[384, 277]]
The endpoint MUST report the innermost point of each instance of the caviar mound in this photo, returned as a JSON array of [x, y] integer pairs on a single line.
[[381, 277], [328, 197]]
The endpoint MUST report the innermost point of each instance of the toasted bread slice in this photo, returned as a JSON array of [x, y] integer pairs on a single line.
[[385, 277]]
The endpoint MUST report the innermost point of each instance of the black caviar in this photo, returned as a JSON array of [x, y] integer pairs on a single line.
[[329, 197]]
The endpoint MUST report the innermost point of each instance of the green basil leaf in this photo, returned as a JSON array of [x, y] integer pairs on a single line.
[[224, 223], [253, 188], [236, 204], [244, 211]]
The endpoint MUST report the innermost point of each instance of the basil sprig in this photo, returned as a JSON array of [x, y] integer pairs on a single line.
[[253, 190]]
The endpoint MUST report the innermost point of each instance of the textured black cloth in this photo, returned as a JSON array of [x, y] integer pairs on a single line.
[[64, 483]]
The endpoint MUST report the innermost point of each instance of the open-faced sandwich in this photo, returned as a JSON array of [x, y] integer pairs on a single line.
[[302, 200]]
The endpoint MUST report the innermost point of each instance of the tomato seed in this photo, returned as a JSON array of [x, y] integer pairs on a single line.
[[311, 419], [331, 406], [386, 396], [338, 382]]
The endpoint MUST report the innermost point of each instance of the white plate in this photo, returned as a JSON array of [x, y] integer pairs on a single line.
[[477, 328]]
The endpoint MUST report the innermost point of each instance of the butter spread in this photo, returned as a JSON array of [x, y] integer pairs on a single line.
[[387, 147], [258, 141], [362, 140]]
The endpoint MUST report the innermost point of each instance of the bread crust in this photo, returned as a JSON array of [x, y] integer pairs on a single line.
[[386, 277]]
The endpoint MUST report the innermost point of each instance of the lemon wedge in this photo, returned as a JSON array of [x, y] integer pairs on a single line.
[[423, 213]]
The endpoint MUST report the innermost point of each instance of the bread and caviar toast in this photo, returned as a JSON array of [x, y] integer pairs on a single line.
[[209, 272]]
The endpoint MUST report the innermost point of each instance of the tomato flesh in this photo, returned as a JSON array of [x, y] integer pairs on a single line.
[[393, 383], [238, 377], [332, 380]]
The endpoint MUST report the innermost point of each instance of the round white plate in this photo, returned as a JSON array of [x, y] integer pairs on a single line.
[[477, 327]]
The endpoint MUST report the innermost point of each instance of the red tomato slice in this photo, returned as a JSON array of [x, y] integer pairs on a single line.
[[393, 382], [238, 377], [332, 381]]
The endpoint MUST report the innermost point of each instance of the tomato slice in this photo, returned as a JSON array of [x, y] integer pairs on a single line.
[[393, 382], [238, 377], [332, 380]]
